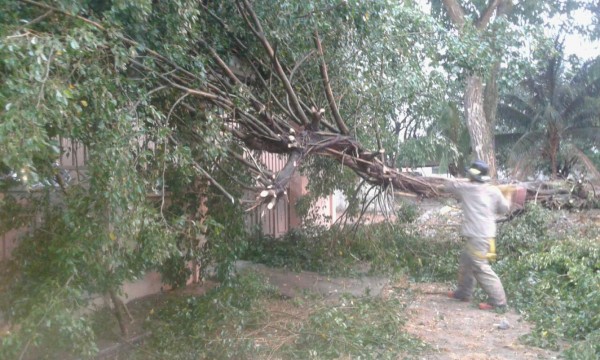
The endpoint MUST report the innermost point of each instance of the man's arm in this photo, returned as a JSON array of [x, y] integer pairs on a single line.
[[454, 187], [503, 200]]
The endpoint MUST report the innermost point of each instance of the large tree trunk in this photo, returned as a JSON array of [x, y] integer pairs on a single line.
[[476, 111], [491, 96], [481, 135]]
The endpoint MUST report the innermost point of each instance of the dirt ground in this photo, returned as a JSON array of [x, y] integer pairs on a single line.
[[455, 330], [458, 330]]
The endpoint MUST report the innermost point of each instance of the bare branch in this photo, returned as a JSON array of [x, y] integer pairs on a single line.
[[300, 62], [38, 19], [485, 17], [45, 79], [51, 8], [330, 99], [455, 12], [181, 98], [259, 33]]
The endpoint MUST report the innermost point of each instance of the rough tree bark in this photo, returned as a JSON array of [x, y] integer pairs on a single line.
[[480, 127], [120, 310], [482, 141]]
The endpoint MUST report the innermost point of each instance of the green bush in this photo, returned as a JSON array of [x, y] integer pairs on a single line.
[[553, 282], [407, 213], [585, 349], [563, 277], [298, 249], [524, 232]]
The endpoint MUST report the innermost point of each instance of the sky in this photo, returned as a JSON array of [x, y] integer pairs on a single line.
[[576, 44]]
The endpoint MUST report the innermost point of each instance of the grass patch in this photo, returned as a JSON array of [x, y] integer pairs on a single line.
[[212, 326], [365, 328]]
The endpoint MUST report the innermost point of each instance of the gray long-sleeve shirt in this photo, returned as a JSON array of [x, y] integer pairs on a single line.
[[480, 204]]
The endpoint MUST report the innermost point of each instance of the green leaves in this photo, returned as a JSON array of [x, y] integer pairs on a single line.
[[553, 112], [543, 269], [186, 328]]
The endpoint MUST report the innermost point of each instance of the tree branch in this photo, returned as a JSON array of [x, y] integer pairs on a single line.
[[485, 17], [259, 33], [51, 8], [455, 12], [326, 85], [38, 19]]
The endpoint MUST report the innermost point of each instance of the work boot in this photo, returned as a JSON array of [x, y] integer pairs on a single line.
[[452, 295], [486, 306]]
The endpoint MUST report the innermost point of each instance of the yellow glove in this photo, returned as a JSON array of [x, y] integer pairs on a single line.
[[507, 191]]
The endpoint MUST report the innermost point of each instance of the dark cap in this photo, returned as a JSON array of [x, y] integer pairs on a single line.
[[478, 171]]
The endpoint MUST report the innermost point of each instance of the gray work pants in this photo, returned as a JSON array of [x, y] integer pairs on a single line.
[[474, 267]]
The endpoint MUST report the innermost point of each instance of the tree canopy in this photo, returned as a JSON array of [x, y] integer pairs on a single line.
[[554, 117]]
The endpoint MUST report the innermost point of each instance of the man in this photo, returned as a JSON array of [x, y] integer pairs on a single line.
[[480, 203]]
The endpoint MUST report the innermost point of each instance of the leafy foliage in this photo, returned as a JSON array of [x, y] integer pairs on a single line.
[[211, 326], [541, 272], [357, 328], [388, 249], [565, 278], [524, 233], [541, 268], [552, 116], [107, 220], [218, 325], [148, 89]]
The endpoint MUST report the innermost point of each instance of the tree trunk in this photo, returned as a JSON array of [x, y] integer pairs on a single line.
[[201, 189], [479, 130], [491, 96], [120, 312]]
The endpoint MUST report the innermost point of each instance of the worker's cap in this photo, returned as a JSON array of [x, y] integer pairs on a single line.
[[478, 171]]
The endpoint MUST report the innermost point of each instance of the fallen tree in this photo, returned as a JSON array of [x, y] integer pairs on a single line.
[[165, 95], [252, 87], [563, 194], [273, 92]]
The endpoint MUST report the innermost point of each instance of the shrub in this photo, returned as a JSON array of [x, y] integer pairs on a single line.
[[524, 232], [541, 272], [388, 248]]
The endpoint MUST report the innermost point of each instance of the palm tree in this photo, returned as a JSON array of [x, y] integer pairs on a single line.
[[552, 119]]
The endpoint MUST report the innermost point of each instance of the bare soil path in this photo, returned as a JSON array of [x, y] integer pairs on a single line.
[[460, 331], [454, 330]]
